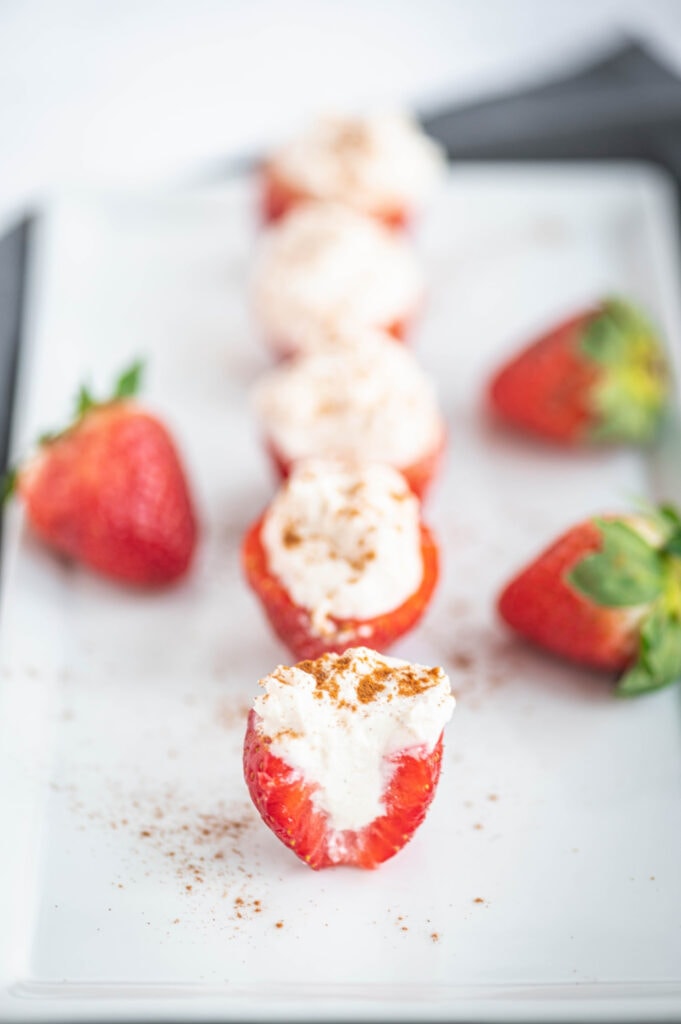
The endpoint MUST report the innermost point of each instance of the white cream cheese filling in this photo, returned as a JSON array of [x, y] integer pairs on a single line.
[[369, 400], [344, 540], [374, 163], [339, 720], [325, 265]]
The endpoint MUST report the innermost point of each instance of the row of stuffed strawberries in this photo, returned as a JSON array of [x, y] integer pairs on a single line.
[[341, 559], [607, 593], [346, 389]]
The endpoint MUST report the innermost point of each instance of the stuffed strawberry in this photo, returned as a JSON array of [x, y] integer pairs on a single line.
[[109, 491], [325, 267], [367, 399], [342, 755], [608, 594], [381, 165], [341, 558], [600, 377]]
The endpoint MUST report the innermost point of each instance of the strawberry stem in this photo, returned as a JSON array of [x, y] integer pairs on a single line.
[[84, 402], [129, 382], [127, 385]]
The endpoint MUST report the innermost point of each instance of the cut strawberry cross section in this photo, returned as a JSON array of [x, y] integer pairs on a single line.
[[342, 755]]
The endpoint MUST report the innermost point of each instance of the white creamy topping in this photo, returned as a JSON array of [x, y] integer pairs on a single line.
[[324, 264], [344, 540], [374, 163], [337, 721], [370, 400]]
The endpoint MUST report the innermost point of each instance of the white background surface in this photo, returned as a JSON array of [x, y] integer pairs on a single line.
[[558, 805], [151, 91]]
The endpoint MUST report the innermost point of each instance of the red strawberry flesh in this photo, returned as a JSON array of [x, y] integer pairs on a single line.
[[342, 754]]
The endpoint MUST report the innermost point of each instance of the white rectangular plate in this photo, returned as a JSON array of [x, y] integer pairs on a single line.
[[136, 881]]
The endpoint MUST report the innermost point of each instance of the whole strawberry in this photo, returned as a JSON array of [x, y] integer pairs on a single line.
[[109, 491], [599, 377], [607, 594]]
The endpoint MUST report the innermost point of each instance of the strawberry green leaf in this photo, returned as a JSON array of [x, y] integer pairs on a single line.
[[664, 520], [8, 484], [604, 338], [626, 571], [673, 545], [49, 435], [629, 397], [128, 384], [659, 660], [608, 337], [622, 415], [670, 514], [84, 402]]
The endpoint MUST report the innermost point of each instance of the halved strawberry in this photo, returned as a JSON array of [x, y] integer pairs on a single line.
[[419, 474], [607, 594], [342, 755], [285, 802], [109, 491], [293, 624], [599, 377]]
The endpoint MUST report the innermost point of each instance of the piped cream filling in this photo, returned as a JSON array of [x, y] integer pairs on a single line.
[[344, 540], [325, 265], [370, 399], [374, 163], [340, 722]]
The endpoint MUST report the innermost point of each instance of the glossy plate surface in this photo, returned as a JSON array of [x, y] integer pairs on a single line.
[[136, 881]]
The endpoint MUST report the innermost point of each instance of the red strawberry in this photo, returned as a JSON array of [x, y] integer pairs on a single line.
[[110, 491], [600, 376], [284, 800], [607, 594], [298, 806], [293, 625]]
